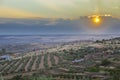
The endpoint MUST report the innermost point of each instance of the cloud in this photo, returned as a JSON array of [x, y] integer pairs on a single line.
[[15, 13], [52, 23], [58, 8], [57, 5]]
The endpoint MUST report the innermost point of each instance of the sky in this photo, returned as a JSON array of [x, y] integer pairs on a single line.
[[57, 8], [28, 17]]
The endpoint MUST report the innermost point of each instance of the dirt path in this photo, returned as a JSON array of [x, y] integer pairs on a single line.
[[17, 63], [8, 66], [49, 61], [18, 67], [56, 59], [34, 64], [26, 67], [12, 66], [3, 65], [41, 66]]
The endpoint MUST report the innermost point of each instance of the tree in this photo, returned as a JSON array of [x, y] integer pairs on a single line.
[[17, 77], [3, 51], [1, 78], [93, 69], [105, 62]]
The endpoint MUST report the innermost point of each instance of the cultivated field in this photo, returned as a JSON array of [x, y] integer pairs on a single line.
[[32, 63]]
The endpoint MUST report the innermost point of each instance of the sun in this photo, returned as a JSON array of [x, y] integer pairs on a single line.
[[96, 19]]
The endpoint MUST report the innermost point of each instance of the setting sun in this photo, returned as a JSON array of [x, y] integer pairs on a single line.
[[96, 19]]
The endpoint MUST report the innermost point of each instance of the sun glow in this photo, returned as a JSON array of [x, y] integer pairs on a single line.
[[96, 19]]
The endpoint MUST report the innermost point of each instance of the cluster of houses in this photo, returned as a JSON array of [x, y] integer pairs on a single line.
[[7, 57]]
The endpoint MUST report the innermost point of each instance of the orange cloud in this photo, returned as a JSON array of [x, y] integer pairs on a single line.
[[15, 13]]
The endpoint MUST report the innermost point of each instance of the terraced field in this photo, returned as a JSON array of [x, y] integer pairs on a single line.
[[32, 63]]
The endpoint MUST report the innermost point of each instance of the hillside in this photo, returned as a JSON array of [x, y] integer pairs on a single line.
[[94, 61]]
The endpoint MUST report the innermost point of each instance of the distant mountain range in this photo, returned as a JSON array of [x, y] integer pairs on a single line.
[[52, 38], [24, 43]]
